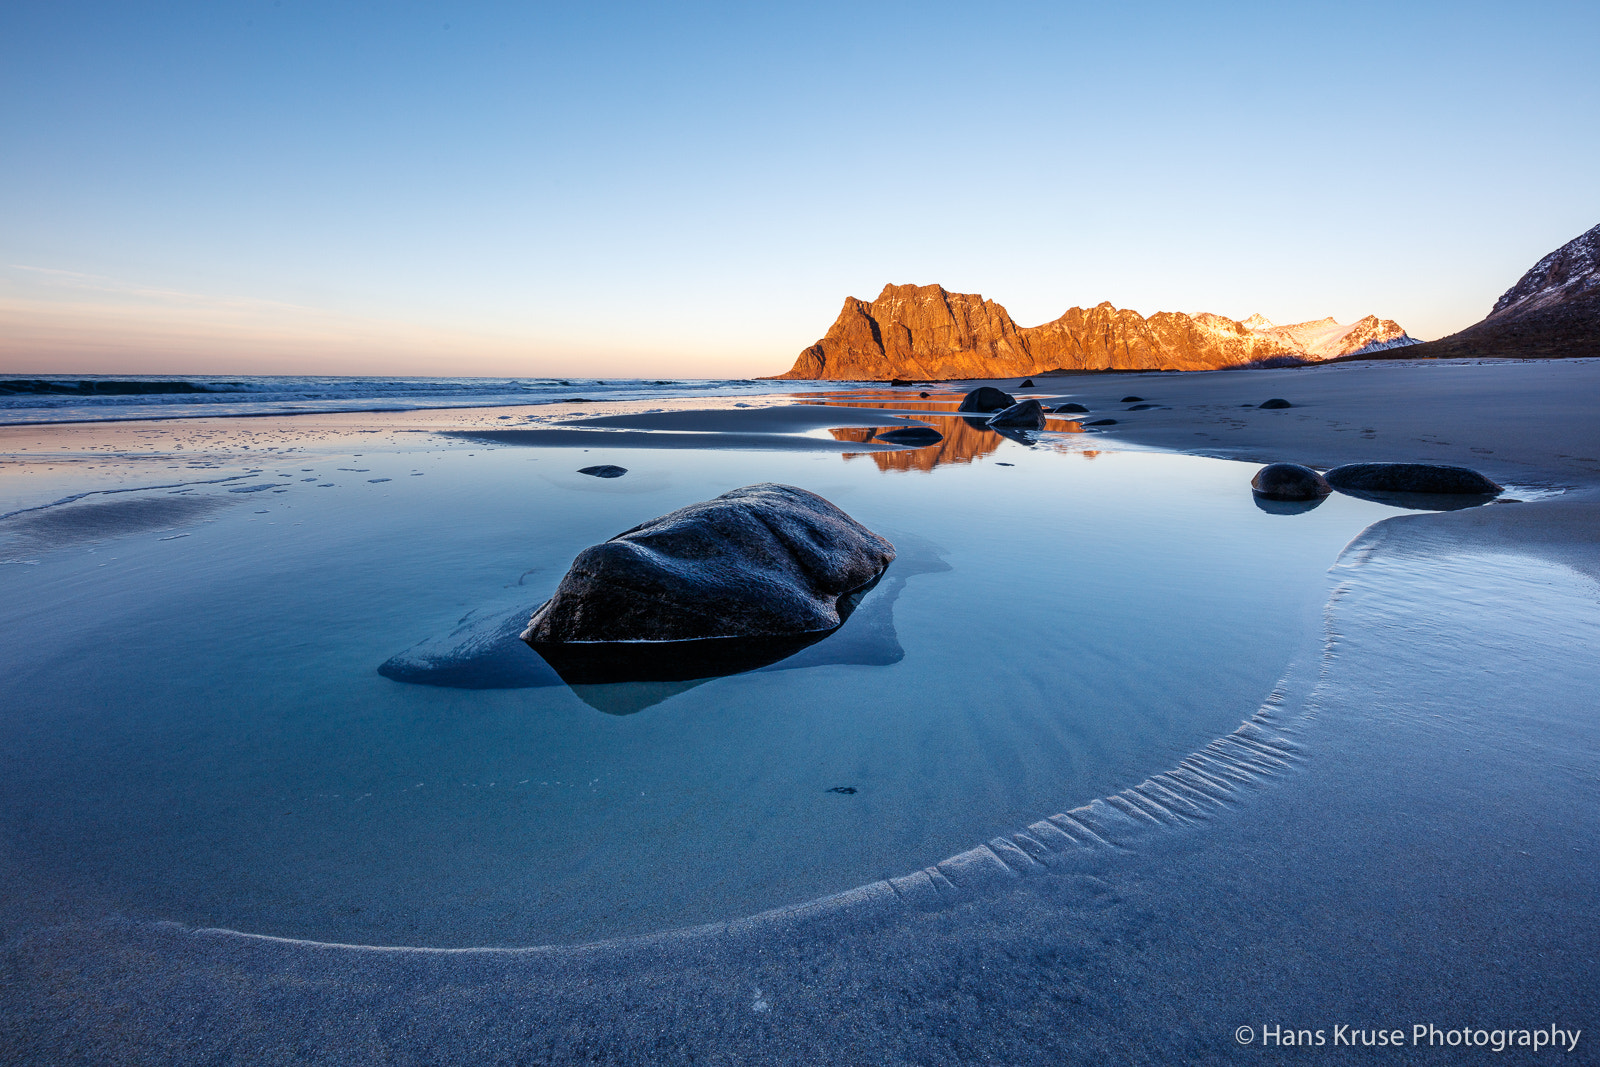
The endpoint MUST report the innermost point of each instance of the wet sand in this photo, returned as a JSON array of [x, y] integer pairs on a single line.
[[1398, 838]]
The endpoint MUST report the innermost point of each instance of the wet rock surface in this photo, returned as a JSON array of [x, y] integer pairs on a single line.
[[1028, 415], [1276, 402], [724, 585], [987, 398], [1411, 478], [604, 470], [1289, 481], [1071, 409]]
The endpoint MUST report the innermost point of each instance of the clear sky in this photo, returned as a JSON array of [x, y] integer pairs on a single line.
[[593, 188]]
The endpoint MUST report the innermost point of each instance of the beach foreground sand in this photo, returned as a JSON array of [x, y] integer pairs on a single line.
[[1403, 836]]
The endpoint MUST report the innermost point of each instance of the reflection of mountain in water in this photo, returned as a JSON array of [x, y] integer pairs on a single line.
[[962, 443], [965, 439]]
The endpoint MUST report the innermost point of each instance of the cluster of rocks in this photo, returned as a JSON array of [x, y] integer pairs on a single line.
[[1441, 484]]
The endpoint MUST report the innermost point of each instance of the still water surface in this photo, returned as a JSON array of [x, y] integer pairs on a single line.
[[196, 728]]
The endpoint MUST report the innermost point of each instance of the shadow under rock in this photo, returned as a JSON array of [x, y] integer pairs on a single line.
[[1286, 507], [486, 650], [1422, 501]]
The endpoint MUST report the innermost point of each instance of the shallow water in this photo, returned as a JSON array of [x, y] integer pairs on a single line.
[[199, 731]]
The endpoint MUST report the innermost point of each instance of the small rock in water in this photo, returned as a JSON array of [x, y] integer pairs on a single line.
[[1071, 409], [604, 470], [1411, 478], [1005, 464], [1028, 415], [1102, 422], [986, 398], [1277, 402], [718, 587], [847, 790], [1290, 481], [1027, 383], [1141, 407], [1132, 399], [911, 435], [923, 395], [900, 383]]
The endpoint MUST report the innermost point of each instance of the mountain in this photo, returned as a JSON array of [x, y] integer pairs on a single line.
[[1326, 339], [925, 332], [1552, 311]]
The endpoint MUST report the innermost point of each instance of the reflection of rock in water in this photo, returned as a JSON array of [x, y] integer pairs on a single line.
[[965, 439], [485, 651], [962, 444]]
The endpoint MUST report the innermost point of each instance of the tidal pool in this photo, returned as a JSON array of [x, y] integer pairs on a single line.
[[197, 729]]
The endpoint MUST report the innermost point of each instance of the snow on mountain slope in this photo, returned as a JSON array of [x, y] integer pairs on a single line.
[[1327, 339], [1571, 271]]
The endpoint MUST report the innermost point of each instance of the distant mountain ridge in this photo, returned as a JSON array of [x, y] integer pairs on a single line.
[[926, 332], [1552, 311]]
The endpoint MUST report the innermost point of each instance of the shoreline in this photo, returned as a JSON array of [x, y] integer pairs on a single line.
[[934, 924]]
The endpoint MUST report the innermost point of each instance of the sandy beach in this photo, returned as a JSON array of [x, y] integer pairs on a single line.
[[1353, 785]]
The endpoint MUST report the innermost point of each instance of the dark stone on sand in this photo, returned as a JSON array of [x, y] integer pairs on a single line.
[[1071, 409], [605, 470], [1411, 478], [1027, 383], [986, 398], [1132, 399], [1028, 415], [911, 435], [717, 587], [1102, 422], [1277, 402], [1289, 481]]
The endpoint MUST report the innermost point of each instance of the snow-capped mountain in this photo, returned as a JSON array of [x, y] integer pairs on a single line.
[[1553, 311], [926, 332], [1568, 273], [1326, 339]]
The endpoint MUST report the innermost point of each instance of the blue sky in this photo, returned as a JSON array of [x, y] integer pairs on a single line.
[[617, 189]]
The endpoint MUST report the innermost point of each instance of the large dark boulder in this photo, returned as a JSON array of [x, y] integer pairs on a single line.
[[1410, 478], [725, 585], [1290, 481], [1275, 403], [1072, 409], [1028, 415], [986, 398]]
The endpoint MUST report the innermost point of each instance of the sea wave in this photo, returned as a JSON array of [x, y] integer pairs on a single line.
[[94, 398]]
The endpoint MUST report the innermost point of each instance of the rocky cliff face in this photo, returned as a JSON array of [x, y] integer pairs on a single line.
[[924, 332], [1552, 311], [1569, 274]]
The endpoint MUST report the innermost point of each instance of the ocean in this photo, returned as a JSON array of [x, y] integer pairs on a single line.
[[97, 398]]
